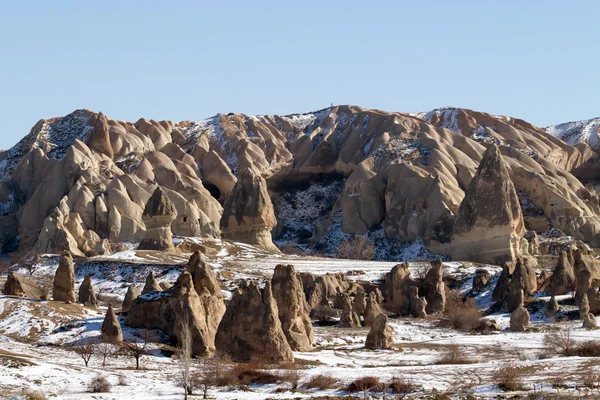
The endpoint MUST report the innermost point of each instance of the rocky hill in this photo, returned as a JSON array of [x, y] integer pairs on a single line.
[[81, 182]]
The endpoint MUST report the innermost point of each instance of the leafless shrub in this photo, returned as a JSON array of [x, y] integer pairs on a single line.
[[184, 356], [461, 313], [363, 384], [357, 248], [85, 350], [291, 248], [29, 395], [99, 384], [454, 354], [247, 374], [321, 382], [212, 373], [509, 378], [106, 350], [137, 348], [560, 342], [402, 387], [421, 269], [589, 348]]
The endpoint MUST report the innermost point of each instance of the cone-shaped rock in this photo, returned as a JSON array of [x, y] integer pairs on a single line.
[[293, 309], [22, 286], [169, 310], [132, 294], [552, 308], [151, 285], [250, 328], [158, 215], [418, 304], [248, 214], [64, 280], [111, 329], [99, 140], [489, 223], [381, 335], [348, 319], [372, 310], [434, 290], [359, 304], [519, 320], [562, 280], [87, 296]]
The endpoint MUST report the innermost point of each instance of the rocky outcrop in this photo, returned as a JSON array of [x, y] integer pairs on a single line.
[[519, 320], [417, 304], [481, 279], [87, 296], [248, 214], [22, 286], [348, 319], [158, 215], [323, 287], [132, 294], [372, 310], [381, 335], [590, 322], [173, 309], [517, 280], [359, 303], [552, 308], [562, 280], [111, 329], [151, 285], [292, 307], [584, 307], [397, 289], [433, 288], [489, 223], [64, 280], [250, 328]]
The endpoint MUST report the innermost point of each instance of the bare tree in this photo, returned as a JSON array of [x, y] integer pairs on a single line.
[[184, 356], [560, 342], [207, 377], [106, 350], [85, 350], [137, 348]]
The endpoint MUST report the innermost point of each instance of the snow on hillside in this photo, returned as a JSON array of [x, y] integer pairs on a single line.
[[574, 132]]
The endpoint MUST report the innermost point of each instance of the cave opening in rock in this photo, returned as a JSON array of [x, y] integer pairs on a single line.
[[213, 190]]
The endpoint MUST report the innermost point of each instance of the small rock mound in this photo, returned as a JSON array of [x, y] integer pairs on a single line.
[[418, 305], [111, 329], [589, 322], [87, 296], [519, 320], [349, 319], [552, 308], [64, 280], [19, 285], [250, 328], [381, 335], [151, 285]]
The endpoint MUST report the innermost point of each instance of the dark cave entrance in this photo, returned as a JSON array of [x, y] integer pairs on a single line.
[[213, 190]]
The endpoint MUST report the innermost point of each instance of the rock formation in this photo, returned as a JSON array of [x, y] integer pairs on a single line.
[[489, 223], [519, 320], [173, 309], [22, 286], [158, 215], [111, 329], [292, 307], [348, 319], [480, 280], [433, 288], [562, 280], [64, 280], [359, 303], [516, 281], [248, 214], [323, 287], [250, 328], [372, 309], [381, 335], [417, 304], [87, 296], [132, 294], [590, 322], [397, 289], [584, 307], [552, 308], [151, 285]]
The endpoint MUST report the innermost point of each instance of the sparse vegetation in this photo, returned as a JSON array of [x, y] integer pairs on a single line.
[[357, 248], [85, 350], [99, 384], [29, 395], [509, 378], [363, 385], [321, 382], [137, 348], [454, 354], [292, 377], [402, 387]]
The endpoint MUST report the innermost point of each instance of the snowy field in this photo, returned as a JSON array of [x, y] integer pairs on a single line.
[[36, 339]]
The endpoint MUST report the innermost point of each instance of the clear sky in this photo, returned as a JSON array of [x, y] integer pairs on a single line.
[[537, 60]]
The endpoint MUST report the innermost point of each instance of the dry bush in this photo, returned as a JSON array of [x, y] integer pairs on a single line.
[[246, 374], [35, 396], [357, 248], [561, 342], [421, 269], [99, 384], [292, 376], [321, 382], [291, 248], [509, 378], [454, 354], [402, 387], [363, 384], [460, 313], [588, 348]]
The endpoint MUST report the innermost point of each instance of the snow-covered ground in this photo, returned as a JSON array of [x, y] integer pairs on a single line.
[[35, 338], [574, 132]]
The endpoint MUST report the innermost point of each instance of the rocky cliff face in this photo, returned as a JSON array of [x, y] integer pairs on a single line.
[[81, 179]]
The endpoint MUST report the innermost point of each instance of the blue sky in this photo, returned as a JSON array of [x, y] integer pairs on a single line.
[[536, 60]]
